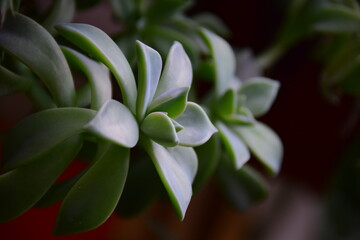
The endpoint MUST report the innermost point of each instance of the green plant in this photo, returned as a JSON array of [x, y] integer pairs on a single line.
[[153, 115]]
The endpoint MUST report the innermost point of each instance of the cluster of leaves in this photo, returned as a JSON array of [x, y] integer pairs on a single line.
[[154, 116]]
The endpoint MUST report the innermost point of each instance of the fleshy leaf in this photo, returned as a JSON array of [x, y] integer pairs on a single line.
[[244, 187], [149, 64], [260, 94], [264, 143], [208, 155], [97, 74], [160, 128], [11, 82], [187, 159], [62, 11], [197, 126], [242, 116], [102, 47], [224, 59], [40, 132], [94, 197], [173, 176], [235, 147], [172, 102], [115, 123], [35, 47], [143, 186], [177, 71], [213, 23], [227, 104], [22, 187]]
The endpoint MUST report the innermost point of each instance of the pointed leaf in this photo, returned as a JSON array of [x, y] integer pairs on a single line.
[[26, 40], [41, 131], [97, 73], [173, 176], [94, 197], [149, 64], [197, 126], [235, 147], [102, 47], [172, 102], [244, 187], [264, 143], [224, 59], [115, 123], [177, 72], [187, 160], [11, 82], [21, 188], [160, 128], [260, 94]]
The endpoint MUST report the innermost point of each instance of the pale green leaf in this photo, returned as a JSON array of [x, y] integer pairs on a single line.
[[224, 59], [234, 146], [264, 143], [40, 132], [26, 40], [187, 159], [172, 102], [197, 126], [22, 187], [173, 176], [149, 65], [160, 128], [177, 71], [94, 197], [260, 94], [102, 47], [227, 104], [97, 74], [115, 123]]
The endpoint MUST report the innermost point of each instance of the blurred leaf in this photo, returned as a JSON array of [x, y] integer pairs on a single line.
[[124, 9], [162, 10], [260, 94], [224, 60], [244, 187], [173, 175], [159, 127], [242, 116], [197, 126], [264, 143], [149, 65], [97, 74], [40, 132], [173, 102], [246, 65], [336, 18], [5, 5], [234, 146], [26, 40], [62, 11], [83, 95], [12, 83], [208, 155], [213, 23], [115, 123], [22, 187], [94, 197], [102, 47]]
